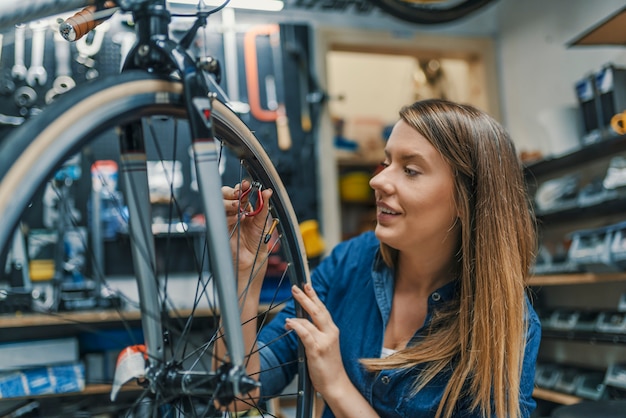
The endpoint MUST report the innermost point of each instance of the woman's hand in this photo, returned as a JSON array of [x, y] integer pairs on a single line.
[[320, 337], [246, 231]]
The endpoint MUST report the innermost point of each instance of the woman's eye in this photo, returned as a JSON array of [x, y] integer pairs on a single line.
[[411, 172]]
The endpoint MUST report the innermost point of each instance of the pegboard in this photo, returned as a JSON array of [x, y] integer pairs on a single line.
[[21, 100]]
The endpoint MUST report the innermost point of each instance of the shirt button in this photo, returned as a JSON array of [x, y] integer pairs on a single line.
[[436, 296], [385, 379]]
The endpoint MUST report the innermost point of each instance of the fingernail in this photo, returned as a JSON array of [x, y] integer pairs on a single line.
[[295, 289]]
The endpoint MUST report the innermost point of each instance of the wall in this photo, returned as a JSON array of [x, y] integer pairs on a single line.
[[533, 70], [377, 85], [537, 69], [470, 39], [477, 51]]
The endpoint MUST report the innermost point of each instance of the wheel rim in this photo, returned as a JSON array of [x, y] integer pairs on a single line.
[[178, 324]]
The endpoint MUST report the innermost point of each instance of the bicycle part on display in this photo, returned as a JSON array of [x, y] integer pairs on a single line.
[[25, 97], [88, 49], [430, 12], [154, 111], [19, 70], [37, 74], [63, 81], [11, 120]]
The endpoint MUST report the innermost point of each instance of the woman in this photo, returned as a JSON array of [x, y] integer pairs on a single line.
[[426, 316]]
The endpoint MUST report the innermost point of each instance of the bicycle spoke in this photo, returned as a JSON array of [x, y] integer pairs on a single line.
[[185, 302]]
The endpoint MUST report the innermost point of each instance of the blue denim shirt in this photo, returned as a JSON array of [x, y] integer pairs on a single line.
[[358, 295]]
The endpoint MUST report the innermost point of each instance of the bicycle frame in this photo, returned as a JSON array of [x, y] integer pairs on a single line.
[[155, 51]]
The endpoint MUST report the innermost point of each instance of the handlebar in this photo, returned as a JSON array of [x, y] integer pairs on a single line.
[[84, 21]]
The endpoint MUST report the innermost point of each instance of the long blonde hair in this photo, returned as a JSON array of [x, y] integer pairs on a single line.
[[481, 338]]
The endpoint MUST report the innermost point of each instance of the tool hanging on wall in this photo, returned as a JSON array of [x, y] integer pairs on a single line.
[[63, 81], [278, 115], [88, 48], [299, 53]]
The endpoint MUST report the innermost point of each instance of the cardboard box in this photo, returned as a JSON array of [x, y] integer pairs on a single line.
[[57, 379]]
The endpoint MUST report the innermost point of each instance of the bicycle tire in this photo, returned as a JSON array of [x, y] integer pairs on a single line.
[[414, 11], [37, 150]]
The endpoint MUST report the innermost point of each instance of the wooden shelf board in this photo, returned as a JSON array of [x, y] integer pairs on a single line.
[[24, 320], [86, 317], [584, 155], [92, 389], [560, 398], [578, 278], [611, 31]]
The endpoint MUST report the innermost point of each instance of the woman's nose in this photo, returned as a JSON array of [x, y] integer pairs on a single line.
[[380, 182]]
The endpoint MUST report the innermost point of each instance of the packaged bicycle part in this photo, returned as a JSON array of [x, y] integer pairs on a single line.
[[618, 245], [613, 322], [587, 321], [616, 174], [591, 386], [547, 376], [558, 194], [595, 193], [616, 376], [547, 263], [564, 320], [591, 249], [569, 381], [64, 378]]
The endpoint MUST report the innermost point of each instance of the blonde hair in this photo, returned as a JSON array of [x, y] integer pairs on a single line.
[[481, 338]]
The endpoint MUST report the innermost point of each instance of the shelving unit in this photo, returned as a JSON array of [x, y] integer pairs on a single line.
[[556, 397], [31, 320], [50, 325], [580, 278], [585, 291], [588, 290]]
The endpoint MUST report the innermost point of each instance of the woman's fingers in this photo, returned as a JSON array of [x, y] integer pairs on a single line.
[[230, 196], [320, 335], [305, 329], [313, 306]]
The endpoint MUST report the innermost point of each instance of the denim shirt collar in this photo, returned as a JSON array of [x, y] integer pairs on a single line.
[[383, 280]]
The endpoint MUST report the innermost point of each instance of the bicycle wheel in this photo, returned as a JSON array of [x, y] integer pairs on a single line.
[[44, 181], [430, 11]]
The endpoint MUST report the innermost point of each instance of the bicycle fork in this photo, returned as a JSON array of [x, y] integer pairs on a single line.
[[230, 380], [206, 152]]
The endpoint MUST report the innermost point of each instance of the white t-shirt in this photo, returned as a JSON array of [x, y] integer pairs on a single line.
[[386, 352]]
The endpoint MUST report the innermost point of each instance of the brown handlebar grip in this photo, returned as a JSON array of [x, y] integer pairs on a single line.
[[83, 22]]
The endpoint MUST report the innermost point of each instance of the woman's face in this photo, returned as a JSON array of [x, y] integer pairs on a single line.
[[415, 206]]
